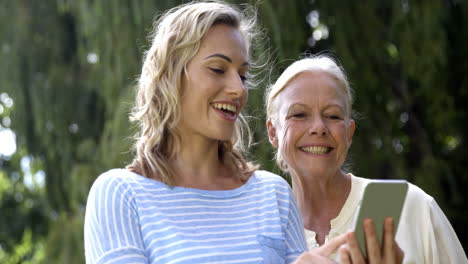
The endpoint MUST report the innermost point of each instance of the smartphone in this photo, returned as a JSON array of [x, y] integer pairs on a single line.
[[380, 199]]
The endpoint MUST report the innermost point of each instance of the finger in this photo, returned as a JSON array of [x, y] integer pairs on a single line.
[[345, 257], [400, 254], [331, 246], [372, 243], [353, 249], [311, 257], [389, 252]]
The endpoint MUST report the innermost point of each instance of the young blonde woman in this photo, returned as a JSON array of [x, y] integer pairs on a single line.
[[309, 122]]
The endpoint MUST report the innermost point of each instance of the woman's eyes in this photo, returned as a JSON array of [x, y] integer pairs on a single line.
[[298, 115], [334, 117], [216, 70], [243, 77], [304, 115]]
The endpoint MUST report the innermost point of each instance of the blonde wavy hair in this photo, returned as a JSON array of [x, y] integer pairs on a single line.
[[175, 41], [319, 63]]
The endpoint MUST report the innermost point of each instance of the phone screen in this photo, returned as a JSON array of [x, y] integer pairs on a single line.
[[381, 199]]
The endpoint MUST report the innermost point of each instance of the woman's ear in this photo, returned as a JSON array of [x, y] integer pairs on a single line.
[[351, 129], [272, 134]]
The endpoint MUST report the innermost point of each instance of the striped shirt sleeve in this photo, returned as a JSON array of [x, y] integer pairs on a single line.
[[112, 230], [295, 237]]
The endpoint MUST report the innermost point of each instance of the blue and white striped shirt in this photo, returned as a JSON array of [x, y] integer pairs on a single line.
[[133, 219]]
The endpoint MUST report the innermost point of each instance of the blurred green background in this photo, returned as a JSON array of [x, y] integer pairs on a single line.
[[67, 76]]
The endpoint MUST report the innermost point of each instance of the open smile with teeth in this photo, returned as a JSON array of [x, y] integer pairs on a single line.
[[226, 108], [317, 149]]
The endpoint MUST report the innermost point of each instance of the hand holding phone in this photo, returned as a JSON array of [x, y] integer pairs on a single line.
[[381, 199], [389, 253]]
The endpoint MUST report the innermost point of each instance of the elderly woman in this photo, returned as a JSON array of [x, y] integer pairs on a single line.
[[309, 122]]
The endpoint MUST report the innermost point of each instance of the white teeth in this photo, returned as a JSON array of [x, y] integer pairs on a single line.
[[229, 107], [316, 149]]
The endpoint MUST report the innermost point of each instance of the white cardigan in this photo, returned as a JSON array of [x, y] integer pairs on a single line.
[[424, 232]]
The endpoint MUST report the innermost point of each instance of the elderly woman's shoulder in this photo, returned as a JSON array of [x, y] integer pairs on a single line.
[[418, 202], [415, 193], [418, 195]]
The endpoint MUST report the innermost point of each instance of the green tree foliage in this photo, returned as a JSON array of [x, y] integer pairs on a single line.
[[70, 67]]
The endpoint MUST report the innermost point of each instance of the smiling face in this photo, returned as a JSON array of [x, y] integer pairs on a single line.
[[213, 86], [312, 129]]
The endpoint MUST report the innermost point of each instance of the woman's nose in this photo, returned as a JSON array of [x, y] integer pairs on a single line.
[[317, 126], [236, 86]]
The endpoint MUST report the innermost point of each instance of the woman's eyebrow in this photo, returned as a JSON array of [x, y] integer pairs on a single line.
[[219, 55]]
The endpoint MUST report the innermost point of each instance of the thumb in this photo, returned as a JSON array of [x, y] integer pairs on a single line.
[[331, 246]]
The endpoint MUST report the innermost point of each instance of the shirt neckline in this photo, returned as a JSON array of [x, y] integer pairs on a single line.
[[349, 207], [207, 193]]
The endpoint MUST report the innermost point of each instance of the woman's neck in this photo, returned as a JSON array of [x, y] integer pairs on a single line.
[[198, 165], [320, 199]]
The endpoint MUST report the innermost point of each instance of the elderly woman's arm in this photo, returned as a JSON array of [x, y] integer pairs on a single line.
[[442, 240]]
